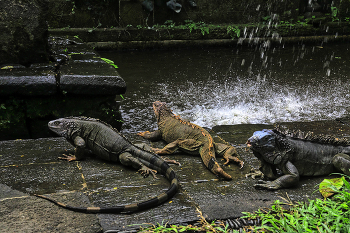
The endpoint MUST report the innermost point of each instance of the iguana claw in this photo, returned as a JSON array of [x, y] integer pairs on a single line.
[[145, 171], [69, 157], [269, 185], [255, 173], [235, 159], [142, 134], [156, 150], [171, 161]]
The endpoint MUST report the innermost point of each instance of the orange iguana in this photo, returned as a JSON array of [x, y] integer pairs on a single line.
[[190, 138]]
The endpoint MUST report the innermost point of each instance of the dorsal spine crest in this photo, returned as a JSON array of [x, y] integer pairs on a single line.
[[310, 136]]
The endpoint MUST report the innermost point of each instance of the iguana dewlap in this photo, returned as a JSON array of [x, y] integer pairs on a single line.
[[109, 144], [295, 154], [190, 138]]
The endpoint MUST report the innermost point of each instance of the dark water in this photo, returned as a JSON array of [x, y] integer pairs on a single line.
[[238, 85]]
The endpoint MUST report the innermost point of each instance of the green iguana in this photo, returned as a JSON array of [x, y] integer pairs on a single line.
[[295, 154], [190, 138], [109, 144]]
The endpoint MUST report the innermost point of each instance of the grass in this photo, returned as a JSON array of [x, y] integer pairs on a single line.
[[331, 214]]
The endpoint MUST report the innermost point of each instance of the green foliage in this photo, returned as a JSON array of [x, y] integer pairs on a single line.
[[334, 11], [206, 227], [109, 62], [194, 26], [233, 31], [189, 24], [11, 112], [329, 215], [266, 18], [328, 187], [169, 24]]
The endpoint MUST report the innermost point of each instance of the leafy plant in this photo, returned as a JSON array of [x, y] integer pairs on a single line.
[[194, 26], [169, 24], [328, 187], [329, 215], [233, 31], [334, 11], [202, 226], [109, 62]]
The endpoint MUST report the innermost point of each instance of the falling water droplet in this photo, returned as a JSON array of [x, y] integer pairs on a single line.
[[328, 72]]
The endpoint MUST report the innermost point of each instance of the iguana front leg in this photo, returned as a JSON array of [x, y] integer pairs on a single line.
[[255, 173], [187, 145], [266, 170], [342, 163], [152, 136], [128, 160], [290, 178], [148, 148], [79, 145], [229, 153]]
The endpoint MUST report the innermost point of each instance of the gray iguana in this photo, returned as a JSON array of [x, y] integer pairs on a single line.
[[295, 154], [190, 138], [109, 144]]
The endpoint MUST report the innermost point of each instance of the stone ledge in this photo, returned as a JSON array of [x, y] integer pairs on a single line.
[[90, 79], [76, 82], [26, 81], [149, 38], [77, 69]]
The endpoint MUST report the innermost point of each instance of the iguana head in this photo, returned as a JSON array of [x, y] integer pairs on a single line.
[[160, 110], [63, 126], [264, 143]]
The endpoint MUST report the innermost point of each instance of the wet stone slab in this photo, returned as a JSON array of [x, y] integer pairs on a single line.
[[24, 81], [90, 79], [31, 167]]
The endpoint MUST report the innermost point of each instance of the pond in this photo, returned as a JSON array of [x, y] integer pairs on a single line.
[[236, 85]]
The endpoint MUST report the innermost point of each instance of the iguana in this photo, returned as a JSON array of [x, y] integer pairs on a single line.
[[109, 144], [190, 138], [295, 154]]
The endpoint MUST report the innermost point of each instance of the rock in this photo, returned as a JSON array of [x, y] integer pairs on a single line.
[[23, 32]]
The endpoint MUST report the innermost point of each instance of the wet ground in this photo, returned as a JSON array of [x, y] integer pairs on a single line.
[[31, 167]]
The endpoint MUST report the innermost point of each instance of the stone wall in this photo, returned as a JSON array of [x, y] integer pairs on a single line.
[[121, 13], [23, 32]]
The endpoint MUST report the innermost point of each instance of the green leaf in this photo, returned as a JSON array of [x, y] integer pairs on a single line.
[[329, 187], [110, 62], [107, 60]]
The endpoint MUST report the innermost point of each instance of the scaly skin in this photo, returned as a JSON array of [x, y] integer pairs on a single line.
[[109, 144], [296, 154], [189, 138]]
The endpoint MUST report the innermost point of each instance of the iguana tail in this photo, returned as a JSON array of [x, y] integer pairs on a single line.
[[154, 162], [207, 153]]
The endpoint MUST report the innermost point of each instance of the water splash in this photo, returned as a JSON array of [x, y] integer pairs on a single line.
[[244, 101]]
